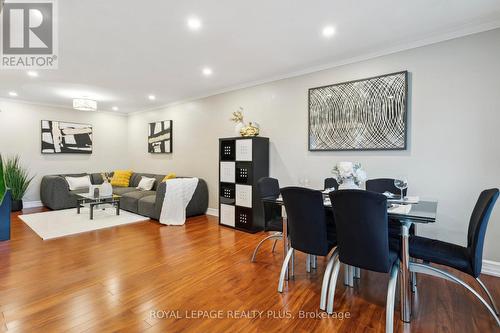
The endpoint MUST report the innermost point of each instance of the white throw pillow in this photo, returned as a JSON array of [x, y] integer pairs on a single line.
[[146, 184], [78, 183]]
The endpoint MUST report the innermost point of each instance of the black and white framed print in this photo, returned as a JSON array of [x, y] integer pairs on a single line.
[[60, 137], [160, 137], [367, 114]]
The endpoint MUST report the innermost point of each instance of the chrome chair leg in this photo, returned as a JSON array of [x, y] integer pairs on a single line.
[[308, 263], [351, 276], [391, 297], [284, 268], [326, 280], [492, 301], [274, 245], [314, 262], [273, 236], [332, 285], [430, 270], [413, 279], [348, 275], [292, 265], [357, 273]]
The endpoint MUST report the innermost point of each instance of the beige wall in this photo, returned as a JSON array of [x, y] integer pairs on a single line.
[[20, 134], [453, 130]]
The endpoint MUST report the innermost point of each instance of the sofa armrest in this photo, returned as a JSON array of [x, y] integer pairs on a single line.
[[199, 202], [197, 206], [55, 193], [160, 195]]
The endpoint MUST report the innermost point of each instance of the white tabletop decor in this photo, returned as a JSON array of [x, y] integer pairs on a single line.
[[349, 175]]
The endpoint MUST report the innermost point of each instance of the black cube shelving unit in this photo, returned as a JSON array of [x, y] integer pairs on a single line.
[[242, 162]]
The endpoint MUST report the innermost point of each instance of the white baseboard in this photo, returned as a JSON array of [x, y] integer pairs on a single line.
[[212, 211], [32, 204], [491, 268]]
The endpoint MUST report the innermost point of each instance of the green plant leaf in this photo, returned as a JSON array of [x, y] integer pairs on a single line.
[[17, 177]]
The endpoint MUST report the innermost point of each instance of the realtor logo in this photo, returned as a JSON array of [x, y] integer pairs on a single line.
[[29, 34]]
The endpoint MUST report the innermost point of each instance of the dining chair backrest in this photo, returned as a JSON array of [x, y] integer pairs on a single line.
[[331, 183], [381, 185], [307, 228], [270, 188], [477, 227], [362, 229]]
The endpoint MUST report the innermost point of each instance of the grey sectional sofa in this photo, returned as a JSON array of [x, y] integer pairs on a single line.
[[55, 194]]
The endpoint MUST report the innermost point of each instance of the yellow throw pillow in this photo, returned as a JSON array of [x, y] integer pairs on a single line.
[[171, 175], [121, 178]]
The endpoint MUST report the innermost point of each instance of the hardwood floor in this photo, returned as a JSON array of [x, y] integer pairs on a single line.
[[130, 278]]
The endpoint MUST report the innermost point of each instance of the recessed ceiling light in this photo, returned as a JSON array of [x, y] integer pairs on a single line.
[[115, 108], [328, 31], [12, 93], [151, 97], [32, 73], [194, 23], [207, 71]]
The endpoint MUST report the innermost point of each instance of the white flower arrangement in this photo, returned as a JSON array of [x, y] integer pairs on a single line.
[[349, 172]]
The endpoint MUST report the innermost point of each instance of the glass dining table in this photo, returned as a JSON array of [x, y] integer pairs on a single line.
[[406, 213]]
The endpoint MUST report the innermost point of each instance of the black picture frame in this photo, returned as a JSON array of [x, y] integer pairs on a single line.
[[162, 146], [82, 141], [403, 113]]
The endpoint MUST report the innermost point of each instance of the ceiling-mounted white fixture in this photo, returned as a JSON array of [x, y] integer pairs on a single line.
[[194, 23], [328, 31], [207, 71], [12, 94], [84, 104]]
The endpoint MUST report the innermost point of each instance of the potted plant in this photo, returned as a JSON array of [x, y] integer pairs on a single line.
[[5, 203], [17, 179], [349, 175]]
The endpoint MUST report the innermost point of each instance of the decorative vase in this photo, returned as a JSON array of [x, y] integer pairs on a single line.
[[106, 189], [250, 130], [17, 205], [348, 184]]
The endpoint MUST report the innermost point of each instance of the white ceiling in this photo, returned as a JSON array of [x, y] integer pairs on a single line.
[[119, 51]]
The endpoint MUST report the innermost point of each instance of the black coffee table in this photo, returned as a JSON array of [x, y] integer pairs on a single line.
[[85, 198]]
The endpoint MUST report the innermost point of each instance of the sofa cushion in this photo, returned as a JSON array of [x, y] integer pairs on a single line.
[[121, 178], [136, 178], [77, 183], [123, 190], [130, 200], [146, 205]]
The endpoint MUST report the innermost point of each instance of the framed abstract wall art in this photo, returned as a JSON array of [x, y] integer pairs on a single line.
[[367, 114], [59, 137], [160, 137]]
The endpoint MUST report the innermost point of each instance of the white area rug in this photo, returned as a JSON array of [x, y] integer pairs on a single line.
[[60, 223]]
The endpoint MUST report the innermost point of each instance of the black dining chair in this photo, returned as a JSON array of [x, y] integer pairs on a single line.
[[308, 229], [465, 259], [331, 183], [382, 185], [363, 241], [270, 188]]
